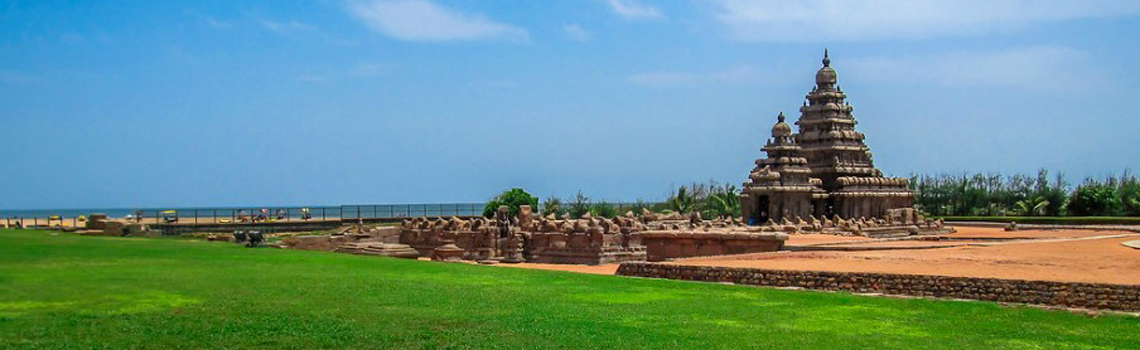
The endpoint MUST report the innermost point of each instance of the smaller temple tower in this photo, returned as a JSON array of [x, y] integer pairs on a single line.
[[780, 186]]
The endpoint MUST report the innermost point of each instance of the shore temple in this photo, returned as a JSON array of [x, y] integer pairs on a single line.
[[824, 170]]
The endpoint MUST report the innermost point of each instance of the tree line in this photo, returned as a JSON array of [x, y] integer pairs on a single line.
[[965, 194], [991, 194], [711, 199]]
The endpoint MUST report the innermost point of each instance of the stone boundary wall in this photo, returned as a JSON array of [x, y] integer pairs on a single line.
[[1021, 226], [1068, 294]]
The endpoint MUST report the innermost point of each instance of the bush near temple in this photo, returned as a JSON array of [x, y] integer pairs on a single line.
[[512, 198]]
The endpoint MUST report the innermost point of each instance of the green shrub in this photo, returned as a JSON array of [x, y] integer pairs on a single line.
[[1094, 198], [723, 202], [553, 205], [1036, 206], [603, 209], [682, 202], [512, 198], [1130, 196], [580, 206]]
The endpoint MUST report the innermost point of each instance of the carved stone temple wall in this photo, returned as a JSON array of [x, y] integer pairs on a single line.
[[823, 170]]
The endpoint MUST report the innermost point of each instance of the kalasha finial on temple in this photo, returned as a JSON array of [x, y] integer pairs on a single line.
[[780, 118], [826, 60]]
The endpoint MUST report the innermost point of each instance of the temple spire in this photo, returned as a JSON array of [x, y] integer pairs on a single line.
[[826, 60]]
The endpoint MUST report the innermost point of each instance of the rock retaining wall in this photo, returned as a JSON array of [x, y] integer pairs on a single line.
[[664, 245], [1067, 294]]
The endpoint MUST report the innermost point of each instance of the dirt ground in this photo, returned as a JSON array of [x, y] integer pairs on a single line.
[[607, 269], [1060, 255], [1086, 259]]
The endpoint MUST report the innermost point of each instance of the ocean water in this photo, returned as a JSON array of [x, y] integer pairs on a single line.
[[343, 211]]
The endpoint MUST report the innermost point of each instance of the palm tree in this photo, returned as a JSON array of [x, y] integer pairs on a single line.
[[1032, 206], [681, 202], [724, 202]]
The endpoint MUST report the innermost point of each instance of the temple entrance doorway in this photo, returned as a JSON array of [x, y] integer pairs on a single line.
[[761, 215]]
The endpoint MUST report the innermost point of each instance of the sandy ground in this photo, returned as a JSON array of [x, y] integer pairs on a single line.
[[607, 269], [1085, 259], [818, 239], [966, 232], [1103, 260]]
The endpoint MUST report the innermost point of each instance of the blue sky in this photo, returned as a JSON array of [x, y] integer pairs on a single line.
[[203, 103]]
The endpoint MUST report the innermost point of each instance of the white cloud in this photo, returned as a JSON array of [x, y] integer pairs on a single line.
[[631, 9], [1038, 69], [420, 20], [575, 32], [286, 27], [854, 20], [738, 75]]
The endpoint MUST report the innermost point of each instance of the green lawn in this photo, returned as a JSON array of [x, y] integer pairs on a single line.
[[65, 291]]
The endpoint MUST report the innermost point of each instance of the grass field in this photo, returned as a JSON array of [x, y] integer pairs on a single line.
[[65, 291]]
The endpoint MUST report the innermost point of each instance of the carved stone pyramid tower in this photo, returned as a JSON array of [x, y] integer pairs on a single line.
[[838, 160]]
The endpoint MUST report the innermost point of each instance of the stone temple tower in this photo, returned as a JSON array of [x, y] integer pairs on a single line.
[[781, 186], [838, 163]]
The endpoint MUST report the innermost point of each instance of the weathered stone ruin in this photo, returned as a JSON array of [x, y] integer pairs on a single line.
[[527, 238], [101, 225], [587, 240], [825, 171], [356, 239]]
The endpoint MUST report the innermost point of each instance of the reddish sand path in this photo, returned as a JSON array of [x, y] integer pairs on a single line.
[[1090, 260], [607, 269], [1103, 260]]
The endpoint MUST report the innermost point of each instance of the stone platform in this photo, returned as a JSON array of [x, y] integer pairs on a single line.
[[665, 245]]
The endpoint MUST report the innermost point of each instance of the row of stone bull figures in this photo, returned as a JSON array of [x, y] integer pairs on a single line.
[[527, 237]]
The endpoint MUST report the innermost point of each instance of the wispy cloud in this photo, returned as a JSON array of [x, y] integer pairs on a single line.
[[215, 23], [367, 70], [337, 74], [286, 27], [631, 9], [14, 77], [209, 21], [1037, 69], [852, 20], [420, 20], [738, 75], [575, 32]]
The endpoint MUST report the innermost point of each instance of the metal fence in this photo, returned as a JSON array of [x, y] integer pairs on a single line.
[[283, 214], [261, 214]]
